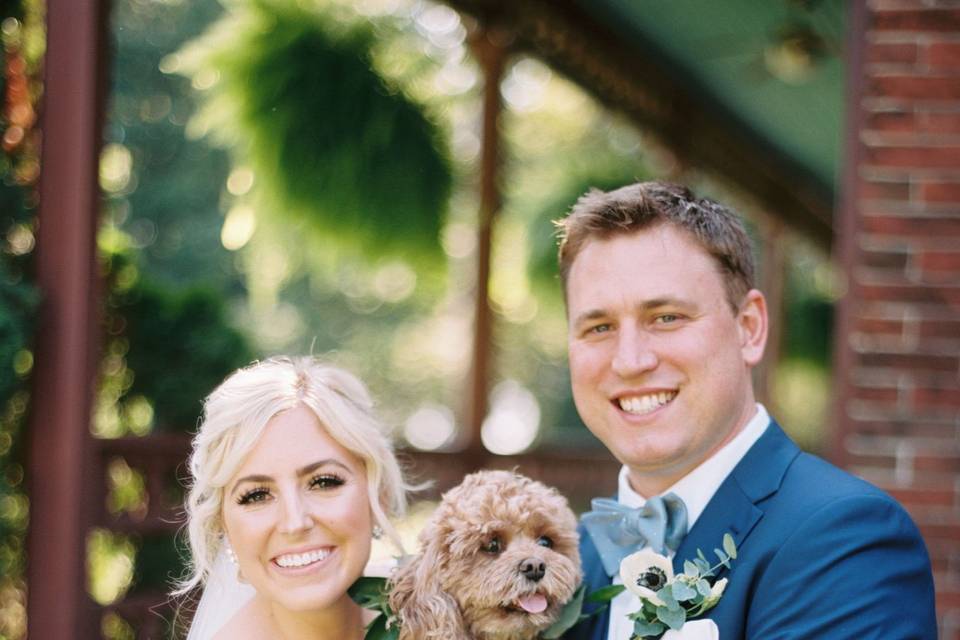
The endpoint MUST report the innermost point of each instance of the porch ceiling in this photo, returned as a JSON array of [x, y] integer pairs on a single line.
[[724, 85]]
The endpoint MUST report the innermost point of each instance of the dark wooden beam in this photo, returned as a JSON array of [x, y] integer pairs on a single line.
[[67, 333], [490, 52], [634, 77]]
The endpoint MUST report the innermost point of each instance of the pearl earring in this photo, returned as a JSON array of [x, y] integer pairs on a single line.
[[231, 556], [377, 532]]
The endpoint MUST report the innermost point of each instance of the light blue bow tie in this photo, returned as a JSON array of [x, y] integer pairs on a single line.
[[617, 530]]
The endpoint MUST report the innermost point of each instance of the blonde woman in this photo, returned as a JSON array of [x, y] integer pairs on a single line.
[[292, 478]]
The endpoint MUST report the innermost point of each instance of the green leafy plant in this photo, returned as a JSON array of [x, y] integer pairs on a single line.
[[331, 144]]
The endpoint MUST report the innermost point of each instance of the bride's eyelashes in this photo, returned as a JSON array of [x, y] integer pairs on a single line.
[[251, 496], [320, 481], [326, 481]]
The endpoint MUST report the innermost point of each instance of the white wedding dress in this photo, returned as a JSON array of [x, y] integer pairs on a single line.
[[222, 597]]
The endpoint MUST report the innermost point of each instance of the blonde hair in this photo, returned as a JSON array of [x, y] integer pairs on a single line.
[[235, 415]]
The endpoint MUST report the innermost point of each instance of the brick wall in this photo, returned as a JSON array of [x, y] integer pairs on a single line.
[[898, 358]]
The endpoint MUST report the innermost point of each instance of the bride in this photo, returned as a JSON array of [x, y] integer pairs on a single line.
[[292, 477]]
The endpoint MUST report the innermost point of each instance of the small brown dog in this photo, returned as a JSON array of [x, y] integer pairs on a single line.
[[498, 561]]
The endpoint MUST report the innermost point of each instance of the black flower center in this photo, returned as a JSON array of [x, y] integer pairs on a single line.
[[654, 578]]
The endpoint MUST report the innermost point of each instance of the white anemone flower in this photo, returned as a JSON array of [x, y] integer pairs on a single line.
[[646, 572]]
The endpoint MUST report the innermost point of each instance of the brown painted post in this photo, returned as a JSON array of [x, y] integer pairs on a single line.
[[491, 54], [67, 336]]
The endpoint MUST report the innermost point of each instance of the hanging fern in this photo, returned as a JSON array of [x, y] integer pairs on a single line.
[[332, 144]]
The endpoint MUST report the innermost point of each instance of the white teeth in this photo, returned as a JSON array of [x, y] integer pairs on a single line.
[[302, 559], [639, 405]]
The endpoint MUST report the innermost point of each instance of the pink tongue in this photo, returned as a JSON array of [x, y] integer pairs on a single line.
[[533, 604]]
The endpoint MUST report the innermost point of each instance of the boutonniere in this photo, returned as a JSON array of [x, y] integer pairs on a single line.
[[668, 601]]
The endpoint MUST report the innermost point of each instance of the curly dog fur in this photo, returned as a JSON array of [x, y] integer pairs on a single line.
[[498, 561]]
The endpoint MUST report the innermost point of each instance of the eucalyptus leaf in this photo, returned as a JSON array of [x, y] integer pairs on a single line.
[[729, 546], [690, 569], [683, 592], [645, 629], [673, 618], [703, 587]]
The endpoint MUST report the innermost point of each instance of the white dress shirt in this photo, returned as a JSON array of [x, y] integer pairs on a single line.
[[696, 489]]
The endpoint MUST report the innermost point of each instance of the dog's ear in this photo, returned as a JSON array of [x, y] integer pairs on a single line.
[[417, 597]]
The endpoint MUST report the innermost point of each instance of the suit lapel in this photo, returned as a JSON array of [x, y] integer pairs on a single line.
[[736, 507]]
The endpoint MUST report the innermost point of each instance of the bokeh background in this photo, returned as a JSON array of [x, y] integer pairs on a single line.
[[373, 181]]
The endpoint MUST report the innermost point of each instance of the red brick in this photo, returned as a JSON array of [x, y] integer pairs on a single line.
[[939, 20], [915, 87], [945, 464], [884, 259], [878, 327], [940, 192], [909, 427], [873, 190], [939, 329], [937, 397], [944, 55], [914, 157], [939, 261], [938, 122], [934, 226], [909, 361], [924, 496], [890, 121], [891, 53], [876, 461], [875, 394], [902, 293]]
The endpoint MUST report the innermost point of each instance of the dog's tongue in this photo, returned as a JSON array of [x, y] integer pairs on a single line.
[[535, 603]]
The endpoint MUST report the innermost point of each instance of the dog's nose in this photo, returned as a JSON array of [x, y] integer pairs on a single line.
[[533, 569]]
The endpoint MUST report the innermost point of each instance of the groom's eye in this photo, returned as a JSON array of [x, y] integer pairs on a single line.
[[494, 546]]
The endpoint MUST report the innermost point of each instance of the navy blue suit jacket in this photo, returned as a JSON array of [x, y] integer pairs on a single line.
[[821, 554]]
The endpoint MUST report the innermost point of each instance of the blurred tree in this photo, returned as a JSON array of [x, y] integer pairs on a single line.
[[161, 188], [166, 347], [21, 49]]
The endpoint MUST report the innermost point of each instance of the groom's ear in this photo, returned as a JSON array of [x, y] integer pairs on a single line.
[[418, 599], [753, 326]]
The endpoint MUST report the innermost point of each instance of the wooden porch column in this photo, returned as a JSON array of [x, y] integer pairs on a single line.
[[492, 56], [67, 331]]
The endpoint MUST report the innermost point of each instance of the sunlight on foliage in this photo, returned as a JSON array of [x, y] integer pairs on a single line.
[[110, 559], [802, 397], [127, 489]]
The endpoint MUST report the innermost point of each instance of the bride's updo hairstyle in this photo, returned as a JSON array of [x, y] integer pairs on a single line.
[[235, 415]]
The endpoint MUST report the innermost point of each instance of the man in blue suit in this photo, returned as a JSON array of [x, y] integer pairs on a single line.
[[665, 327]]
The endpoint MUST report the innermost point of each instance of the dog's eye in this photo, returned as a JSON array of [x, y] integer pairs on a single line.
[[495, 545], [545, 541]]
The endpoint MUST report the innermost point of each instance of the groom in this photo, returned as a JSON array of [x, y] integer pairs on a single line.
[[665, 327]]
